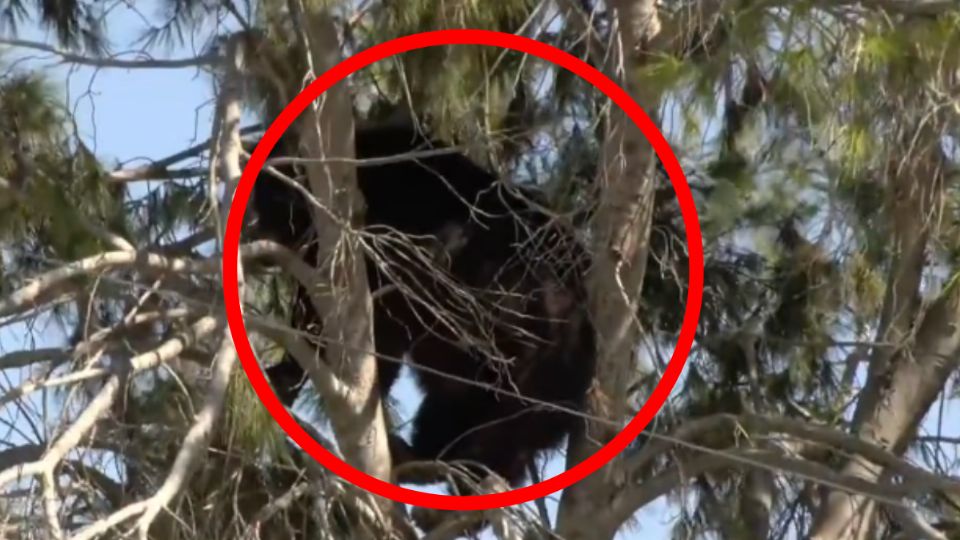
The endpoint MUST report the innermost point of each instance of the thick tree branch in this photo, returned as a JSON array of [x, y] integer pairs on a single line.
[[347, 315], [160, 169], [692, 433], [902, 381], [620, 227], [636, 495], [19, 359], [48, 284], [917, 376], [54, 282], [228, 161]]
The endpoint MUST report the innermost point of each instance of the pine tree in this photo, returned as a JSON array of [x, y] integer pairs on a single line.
[[819, 141]]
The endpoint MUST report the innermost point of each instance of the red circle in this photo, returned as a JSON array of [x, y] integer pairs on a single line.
[[462, 37]]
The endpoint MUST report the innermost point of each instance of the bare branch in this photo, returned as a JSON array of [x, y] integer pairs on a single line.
[[366, 162], [153, 173], [69, 439], [46, 284], [687, 435], [167, 351], [49, 284], [18, 359], [51, 504], [73, 58], [306, 355], [914, 526], [636, 495], [195, 442], [160, 169], [227, 158]]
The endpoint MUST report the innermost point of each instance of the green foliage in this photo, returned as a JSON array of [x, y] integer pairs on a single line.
[[802, 88], [76, 23], [249, 428], [867, 287], [54, 188], [724, 208], [668, 71], [884, 49], [28, 107], [424, 15], [858, 148], [478, 84]]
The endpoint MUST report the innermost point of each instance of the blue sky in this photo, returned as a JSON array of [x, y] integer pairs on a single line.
[[132, 115]]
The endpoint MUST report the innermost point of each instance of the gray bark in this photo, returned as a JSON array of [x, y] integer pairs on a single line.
[[621, 230], [903, 379]]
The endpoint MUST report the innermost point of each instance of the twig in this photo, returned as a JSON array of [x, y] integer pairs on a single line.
[[160, 167], [195, 442], [141, 362], [73, 58]]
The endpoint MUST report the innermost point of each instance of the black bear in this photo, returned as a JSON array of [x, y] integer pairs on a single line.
[[498, 338]]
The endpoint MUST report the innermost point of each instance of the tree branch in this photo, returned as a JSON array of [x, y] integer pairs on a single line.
[[755, 425], [141, 362], [228, 158], [73, 58], [620, 229]]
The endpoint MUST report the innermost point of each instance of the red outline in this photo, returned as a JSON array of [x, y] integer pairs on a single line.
[[493, 39]]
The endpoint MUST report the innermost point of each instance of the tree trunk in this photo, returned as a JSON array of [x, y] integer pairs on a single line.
[[326, 130], [621, 230], [904, 378]]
